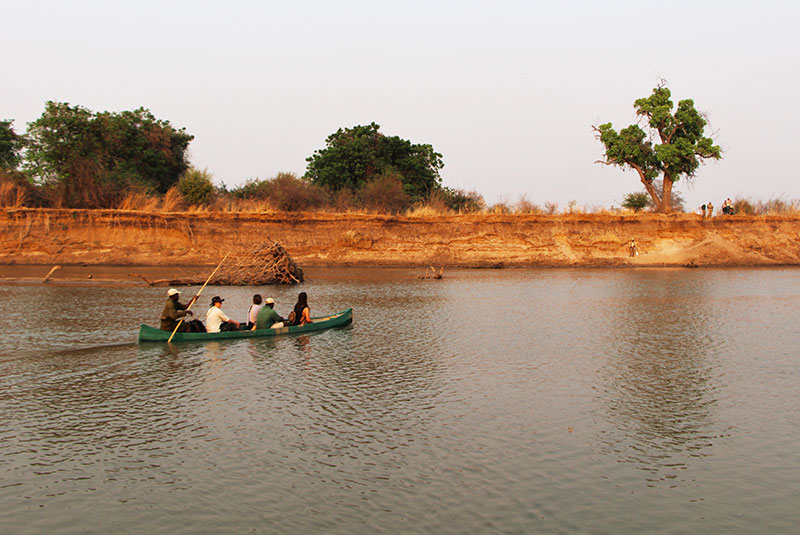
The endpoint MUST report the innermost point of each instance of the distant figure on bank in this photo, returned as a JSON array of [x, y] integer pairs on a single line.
[[727, 206], [217, 320], [252, 314], [174, 310], [301, 313], [703, 208], [632, 247], [267, 317], [710, 210]]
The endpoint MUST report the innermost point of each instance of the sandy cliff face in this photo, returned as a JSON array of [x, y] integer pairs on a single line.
[[39, 236]]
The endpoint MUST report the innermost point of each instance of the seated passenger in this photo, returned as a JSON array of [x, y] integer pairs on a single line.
[[217, 320], [174, 310], [301, 313], [252, 314], [267, 317]]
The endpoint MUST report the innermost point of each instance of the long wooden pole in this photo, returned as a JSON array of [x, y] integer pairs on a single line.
[[197, 296]]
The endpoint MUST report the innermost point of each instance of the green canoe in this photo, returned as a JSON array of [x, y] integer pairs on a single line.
[[150, 334]]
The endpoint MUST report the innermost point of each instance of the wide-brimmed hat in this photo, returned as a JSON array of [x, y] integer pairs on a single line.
[[216, 299], [270, 301], [172, 291]]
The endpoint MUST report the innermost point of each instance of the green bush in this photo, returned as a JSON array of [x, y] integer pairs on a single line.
[[196, 187], [462, 201], [254, 189], [636, 201]]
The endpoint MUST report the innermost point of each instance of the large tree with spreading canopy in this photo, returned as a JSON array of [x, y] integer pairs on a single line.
[[674, 146], [359, 155], [91, 160]]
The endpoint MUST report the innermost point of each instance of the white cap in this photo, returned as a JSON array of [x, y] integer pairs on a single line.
[[270, 301], [172, 291]]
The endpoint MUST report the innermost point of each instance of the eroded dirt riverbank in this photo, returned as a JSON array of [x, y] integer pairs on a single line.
[[123, 238]]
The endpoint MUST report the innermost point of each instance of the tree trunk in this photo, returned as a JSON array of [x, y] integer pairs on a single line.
[[666, 195], [648, 185]]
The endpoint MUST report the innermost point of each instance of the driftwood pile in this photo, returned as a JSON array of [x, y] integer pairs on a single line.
[[268, 263]]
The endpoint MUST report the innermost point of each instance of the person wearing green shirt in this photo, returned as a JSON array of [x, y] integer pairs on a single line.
[[267, 317]]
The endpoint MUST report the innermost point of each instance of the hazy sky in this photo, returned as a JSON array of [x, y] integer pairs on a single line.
[[506, 91]]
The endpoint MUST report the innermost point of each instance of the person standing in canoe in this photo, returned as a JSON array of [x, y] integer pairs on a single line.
[[174, 310], [301, 313], [217, 320], [267, 317]]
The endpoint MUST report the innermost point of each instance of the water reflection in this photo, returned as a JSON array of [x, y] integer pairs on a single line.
[[445, 408], [658, 393]]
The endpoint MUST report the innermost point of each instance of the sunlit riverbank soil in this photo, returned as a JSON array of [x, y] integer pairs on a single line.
[[116, 237]]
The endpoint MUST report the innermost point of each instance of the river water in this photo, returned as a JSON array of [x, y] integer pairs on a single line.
[[508, 401]]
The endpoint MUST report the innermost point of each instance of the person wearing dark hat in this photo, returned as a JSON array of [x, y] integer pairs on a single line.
[[217, 320], [267, 317], [174, 310]]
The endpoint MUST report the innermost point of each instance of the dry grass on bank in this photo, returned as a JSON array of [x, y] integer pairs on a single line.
[[11, 195], [14, 196], [777, 206]]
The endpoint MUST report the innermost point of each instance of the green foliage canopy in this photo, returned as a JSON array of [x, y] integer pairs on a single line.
[[675, 147], [93, 159], [10, 145], [355, 156]]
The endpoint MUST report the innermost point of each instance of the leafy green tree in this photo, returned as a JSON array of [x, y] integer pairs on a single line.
[[355, 156], [93, 159], [10, 146], [675, 146]]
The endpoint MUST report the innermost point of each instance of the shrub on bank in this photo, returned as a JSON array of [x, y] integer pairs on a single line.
[[636, 201], [743, 206], [282, 192], [291, 194], [196, 187], [384, 194], [524, 206]]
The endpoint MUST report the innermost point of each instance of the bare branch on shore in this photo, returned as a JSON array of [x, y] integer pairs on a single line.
[[50, 273], [433, 274]]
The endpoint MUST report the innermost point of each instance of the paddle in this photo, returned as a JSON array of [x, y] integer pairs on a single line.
[[196, 297]]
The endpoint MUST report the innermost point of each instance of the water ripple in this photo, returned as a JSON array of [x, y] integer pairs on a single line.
[[516, 401]]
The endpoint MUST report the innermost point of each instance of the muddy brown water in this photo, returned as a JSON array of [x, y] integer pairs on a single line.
[[511, 401]]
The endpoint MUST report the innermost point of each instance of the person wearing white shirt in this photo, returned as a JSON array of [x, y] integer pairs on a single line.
[[217, 320], [252, 314]]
